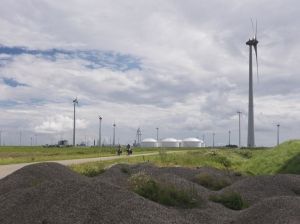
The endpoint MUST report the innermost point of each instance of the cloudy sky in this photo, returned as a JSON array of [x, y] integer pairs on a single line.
[[178, 65]]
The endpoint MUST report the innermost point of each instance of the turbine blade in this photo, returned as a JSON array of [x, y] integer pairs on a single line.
[[256, 30], [252, 25], [255, 49]]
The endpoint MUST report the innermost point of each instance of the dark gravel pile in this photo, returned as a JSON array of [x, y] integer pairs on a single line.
[[50, 193]]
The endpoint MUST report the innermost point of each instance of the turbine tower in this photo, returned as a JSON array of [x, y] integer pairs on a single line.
[[251, 43], [114, 134], [75, 101], [100, 121], [139, 136], [239, 113], [278, 126]]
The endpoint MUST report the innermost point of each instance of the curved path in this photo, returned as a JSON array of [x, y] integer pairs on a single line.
[[8, 169]]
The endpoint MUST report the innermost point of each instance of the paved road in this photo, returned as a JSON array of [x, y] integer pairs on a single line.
[[8, 169]]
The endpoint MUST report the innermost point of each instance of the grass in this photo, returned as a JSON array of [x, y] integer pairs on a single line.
[[147, 187], [89, 170], [284, 158], [211, 182], [19, 154], [230, 200]]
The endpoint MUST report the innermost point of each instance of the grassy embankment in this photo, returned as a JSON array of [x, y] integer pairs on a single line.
[[282, 159], [16, 154]]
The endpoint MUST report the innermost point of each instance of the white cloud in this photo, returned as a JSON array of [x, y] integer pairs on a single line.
[[194, 66]]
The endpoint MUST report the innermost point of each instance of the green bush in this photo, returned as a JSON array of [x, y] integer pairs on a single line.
[[88, 170], [147, 187], [245, 154], [230, 200], [223, 161], [125, 170], [163, 155], [213, 183]]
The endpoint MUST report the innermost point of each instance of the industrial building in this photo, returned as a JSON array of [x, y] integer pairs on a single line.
[[192, 142], [149, 142], [172, 143]]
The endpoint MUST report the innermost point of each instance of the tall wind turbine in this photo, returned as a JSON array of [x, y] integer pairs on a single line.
[[75, 101], [114, 133], [99, 143], [251, 43]]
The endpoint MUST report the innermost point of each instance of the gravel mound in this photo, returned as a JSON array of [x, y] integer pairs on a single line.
[[255, 189], [276, 210], [49, 193], [31, 175]]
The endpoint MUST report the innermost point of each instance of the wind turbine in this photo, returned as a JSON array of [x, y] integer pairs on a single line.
[[75, 101], [114, 133], [251, 43], [278, 126], [100, 119]]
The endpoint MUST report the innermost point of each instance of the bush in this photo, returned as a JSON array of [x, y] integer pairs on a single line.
[[88, 170], [125, 170], [163, 156], [245, 154], [223, 161], [147, 187], [230, 200], [213, 183]]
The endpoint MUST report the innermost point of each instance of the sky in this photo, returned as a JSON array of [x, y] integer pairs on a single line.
[[181, 66]]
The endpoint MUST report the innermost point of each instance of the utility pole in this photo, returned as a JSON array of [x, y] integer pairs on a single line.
[[213, 135], [30, 141], [100, 120], [20, 138], [157, 134], [75, 101], [114, 134], [239, 113], [229, 133], [278, 126]]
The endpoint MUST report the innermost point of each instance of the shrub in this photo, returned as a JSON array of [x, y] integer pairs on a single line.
[[92, 171], [230, 200], [163, 155], [223, 161], [125, 170], [88, 170], [147, 187], [245, 154], [213, 183]]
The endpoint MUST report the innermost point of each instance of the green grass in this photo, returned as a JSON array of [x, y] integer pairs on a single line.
[[263, 161], [15, 154], [230, 200], [147, 187], [211, 182]]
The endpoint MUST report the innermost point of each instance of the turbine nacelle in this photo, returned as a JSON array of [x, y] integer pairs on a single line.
[[252, 42], [75, 101]]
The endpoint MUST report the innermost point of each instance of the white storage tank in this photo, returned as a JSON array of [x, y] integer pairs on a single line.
[[170, 142], [149, 142], [192, 142]]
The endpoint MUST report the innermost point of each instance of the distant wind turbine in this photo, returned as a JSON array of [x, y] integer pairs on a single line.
[[100, 119], [75, 101], [251, 43]]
